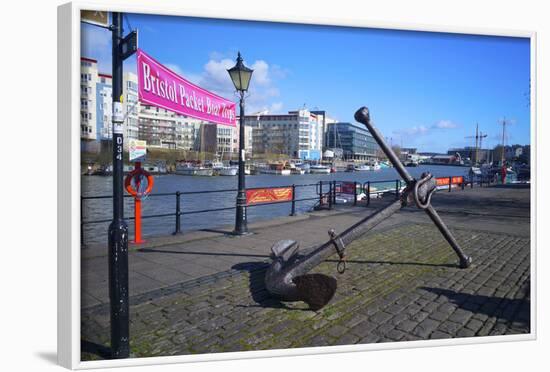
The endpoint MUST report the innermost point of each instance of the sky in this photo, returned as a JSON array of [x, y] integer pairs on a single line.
[[423, 89]]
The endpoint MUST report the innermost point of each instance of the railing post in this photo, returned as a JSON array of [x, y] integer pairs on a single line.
[[320, 193], [396, 189], [81, 221], [334, 193], [178, 211], [368, 193], [354, 192], [330, 191], [450, 183], [462, 183], [472, 183], [293, 204]]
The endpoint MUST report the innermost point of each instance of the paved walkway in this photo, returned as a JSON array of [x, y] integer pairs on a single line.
[[203, 292]]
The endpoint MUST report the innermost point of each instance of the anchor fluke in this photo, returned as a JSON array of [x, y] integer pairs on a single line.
[[316, 290]]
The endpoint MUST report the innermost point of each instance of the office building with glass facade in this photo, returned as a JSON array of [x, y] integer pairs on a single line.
[[354, 140]]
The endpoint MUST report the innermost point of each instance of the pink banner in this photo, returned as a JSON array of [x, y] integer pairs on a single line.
[[159, 86]]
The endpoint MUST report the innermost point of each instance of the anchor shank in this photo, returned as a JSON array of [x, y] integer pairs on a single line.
[[362, 116], [354, 232]]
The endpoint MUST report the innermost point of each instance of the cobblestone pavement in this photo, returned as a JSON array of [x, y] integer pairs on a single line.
[[401, 284], [170, 260]]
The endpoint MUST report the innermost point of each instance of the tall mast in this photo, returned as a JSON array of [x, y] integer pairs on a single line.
[[476, 158], [503, 138]]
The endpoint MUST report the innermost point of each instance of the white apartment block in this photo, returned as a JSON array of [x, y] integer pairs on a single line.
[[298, 134], [227, 141], [104, 107], [166, 129], [88, 81], [96, 103], [130, 105]]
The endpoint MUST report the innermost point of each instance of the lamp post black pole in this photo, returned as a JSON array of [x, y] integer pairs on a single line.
[[118, 229], [241, 226]]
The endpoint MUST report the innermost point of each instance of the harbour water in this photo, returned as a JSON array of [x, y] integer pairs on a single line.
[[99, 209]]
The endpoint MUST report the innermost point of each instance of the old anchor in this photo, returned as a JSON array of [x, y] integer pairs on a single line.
[[287, 277]]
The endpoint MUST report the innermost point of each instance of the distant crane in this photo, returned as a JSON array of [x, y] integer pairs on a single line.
[[479, 140]]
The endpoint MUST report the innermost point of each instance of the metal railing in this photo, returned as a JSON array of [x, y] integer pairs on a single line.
[[178, 212], [326, 193]]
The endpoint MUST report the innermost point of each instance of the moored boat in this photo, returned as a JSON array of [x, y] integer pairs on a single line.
[[188, 169], [275, 168], [375, 166], [228, 171], [304, 166], [319, 169], [297, 171], [361, 167]]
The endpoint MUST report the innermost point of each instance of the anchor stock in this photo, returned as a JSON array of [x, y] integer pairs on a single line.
[[287, 277]]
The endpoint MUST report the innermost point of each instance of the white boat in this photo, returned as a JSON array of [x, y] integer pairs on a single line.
[[224, 170], [304, 166], [297, 171], [228, 171], [362, 167], [375, 166], [319, 169], [187, 169], [275, 168], [216, 165]]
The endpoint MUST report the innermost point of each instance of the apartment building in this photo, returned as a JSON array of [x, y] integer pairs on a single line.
[[104, 107], [88, 82], [298, 134]]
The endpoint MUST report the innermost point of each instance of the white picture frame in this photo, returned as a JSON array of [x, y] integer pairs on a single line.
[[69, 186]]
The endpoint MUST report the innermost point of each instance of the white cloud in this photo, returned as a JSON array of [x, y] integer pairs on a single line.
[[175, 68], [262, 91], [276, 107], [445, 124], [261, 73], [424, 130], [421, 129]]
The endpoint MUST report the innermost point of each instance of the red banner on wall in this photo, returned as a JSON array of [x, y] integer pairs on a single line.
[[347, 188], [444, 181], [268, 195]]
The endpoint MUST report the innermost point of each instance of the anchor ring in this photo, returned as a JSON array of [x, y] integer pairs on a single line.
[[341, 266]]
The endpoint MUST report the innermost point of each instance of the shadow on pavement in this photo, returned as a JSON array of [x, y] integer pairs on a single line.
[[96, 349], [396, 263], [153, 250], [218, 231], [510, 310]]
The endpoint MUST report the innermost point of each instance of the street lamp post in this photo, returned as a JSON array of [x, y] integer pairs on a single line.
[[240, 75]]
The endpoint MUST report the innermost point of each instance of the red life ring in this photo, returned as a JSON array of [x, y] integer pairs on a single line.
[[128, 182]]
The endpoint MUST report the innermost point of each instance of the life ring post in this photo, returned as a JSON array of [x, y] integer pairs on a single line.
[[138, 173]]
